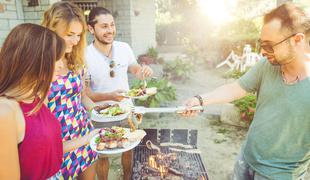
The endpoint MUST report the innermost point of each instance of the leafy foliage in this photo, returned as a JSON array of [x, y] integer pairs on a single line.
[[151, 57], [207, 44], [179, 69], [165, 92], [236, 74], [246, 106], [152, 52]]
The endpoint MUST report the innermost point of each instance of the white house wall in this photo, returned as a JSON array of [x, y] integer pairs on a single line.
[[135, 19], [143, 25]]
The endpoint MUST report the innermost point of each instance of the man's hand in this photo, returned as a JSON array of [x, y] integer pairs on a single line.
[[117, 95], [189, 103], [144, 72]]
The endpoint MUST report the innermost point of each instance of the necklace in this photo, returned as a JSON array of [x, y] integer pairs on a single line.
[[101, 52], [289, 82], [110, 51], [107, 56]]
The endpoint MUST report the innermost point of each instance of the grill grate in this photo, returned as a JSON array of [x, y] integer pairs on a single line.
[[188, 163]]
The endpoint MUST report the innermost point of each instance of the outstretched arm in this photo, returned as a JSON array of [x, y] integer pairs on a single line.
[[222, 94]]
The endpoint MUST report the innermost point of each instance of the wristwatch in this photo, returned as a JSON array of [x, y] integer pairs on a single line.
[[200, 101]]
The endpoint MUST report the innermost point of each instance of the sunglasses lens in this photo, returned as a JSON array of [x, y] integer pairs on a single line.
[[112, 64], [267, 48], [112, 73]]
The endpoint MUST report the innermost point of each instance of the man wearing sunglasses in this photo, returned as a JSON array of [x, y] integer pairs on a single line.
[[108, 62], [277, 146]]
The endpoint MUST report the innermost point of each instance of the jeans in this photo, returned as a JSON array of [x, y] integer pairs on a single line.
[[242, 171]]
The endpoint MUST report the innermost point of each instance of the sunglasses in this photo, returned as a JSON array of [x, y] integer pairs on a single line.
[[112, 65], [270, 48]]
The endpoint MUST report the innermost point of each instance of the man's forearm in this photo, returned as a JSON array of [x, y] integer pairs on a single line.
[[224, 94], [98, 96], [95, 96]]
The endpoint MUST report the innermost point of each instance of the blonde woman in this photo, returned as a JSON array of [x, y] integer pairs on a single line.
[[30, 136], [66, 98]]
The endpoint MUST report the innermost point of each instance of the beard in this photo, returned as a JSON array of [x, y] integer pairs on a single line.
[[283, 59], [101, 40], [277, 62]]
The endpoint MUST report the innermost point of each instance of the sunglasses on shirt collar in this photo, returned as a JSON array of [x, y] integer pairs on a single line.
[[112, 65]]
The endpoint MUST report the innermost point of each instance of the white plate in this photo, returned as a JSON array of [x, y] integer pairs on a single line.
[[95, 116], [154, 91], [101, 118], [138, 97], [132, 145]]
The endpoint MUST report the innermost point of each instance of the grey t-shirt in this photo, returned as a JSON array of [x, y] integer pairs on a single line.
[[278, 141]]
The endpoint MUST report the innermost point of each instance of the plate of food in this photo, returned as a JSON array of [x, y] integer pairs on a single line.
[[110, 112], [116, 140], [141, 93]]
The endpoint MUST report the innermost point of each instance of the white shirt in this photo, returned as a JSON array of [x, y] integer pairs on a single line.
[[99, 69]]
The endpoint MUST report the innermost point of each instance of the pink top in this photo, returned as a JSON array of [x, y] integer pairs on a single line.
[[41, 151]]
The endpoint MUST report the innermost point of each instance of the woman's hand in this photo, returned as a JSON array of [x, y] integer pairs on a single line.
[[90, 135]]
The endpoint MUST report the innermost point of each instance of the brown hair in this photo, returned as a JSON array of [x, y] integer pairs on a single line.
[[67, 12], [27, 62], [96, 12], [293, 19]]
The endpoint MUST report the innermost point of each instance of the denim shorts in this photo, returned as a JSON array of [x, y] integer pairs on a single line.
[[242, 171]]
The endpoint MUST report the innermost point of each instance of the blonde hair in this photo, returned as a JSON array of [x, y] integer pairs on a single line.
[[68, 12]]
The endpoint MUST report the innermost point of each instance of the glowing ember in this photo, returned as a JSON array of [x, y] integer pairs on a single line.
[[160, 163]]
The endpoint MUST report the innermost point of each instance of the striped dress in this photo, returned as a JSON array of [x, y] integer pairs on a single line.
[[64, 101]]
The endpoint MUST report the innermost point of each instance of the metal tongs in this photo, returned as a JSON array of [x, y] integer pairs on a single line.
[[178, 109], [152, 146]]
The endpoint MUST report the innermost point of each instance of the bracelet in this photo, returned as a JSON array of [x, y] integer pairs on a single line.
[[200, 100]]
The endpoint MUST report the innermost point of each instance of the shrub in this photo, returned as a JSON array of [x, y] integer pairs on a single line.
[[151, 57], [179, 69], [246, 106], [152, 52], [235, 74]]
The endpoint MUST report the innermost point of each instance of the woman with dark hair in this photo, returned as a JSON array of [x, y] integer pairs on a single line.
[[30, 135]]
